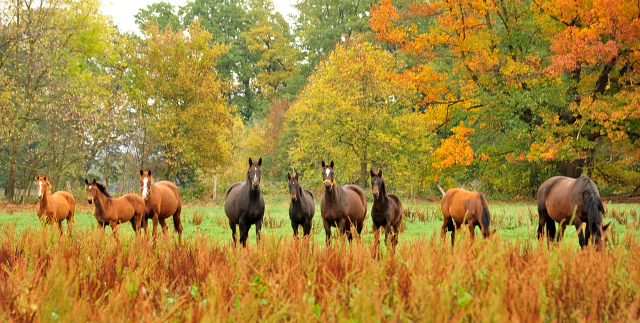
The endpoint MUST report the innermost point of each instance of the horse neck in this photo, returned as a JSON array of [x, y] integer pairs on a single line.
[[298, 202], [253, 194], [46, 199], [101, 202], [334, 196]]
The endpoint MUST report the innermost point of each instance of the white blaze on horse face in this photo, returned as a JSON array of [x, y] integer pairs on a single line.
[[144, 186], [40, 188], [328, 171], [255, 177]]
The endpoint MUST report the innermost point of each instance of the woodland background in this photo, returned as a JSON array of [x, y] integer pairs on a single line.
[[487, 94]]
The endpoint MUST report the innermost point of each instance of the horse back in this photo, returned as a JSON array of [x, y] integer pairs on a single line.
[[230, 203], [459, 204], [170, 198], [128, 206], [556, 197], [397, 208], [357, 202]]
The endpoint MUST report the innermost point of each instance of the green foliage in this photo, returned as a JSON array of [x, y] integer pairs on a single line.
[[161, 14]]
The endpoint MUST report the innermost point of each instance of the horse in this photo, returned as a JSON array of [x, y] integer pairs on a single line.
[[564, 199], [341, 206], [161, 201], [57, 207], [461, 206], [244, 204], [386, 211], [302, 207], [112, 211]]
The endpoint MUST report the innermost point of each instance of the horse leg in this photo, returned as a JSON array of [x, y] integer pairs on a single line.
[[294, 225], [578, 224], [472, 230], [447, 226], [177, 223], [394, 237], [327, 230], [306, 228], [258, 228], [59, 225], [359, 227], [563, 226], [233, 232], [114, 227], [342, 225], [376, 240], [387, 232], [163, 224], [244, 232], [155, 225]]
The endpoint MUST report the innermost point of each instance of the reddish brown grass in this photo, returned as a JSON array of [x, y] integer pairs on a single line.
[[88, 276]]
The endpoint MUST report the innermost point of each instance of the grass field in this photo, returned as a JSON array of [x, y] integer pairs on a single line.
[[85, 275]]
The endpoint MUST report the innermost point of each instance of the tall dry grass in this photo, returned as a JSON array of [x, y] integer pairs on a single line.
[[86, 275]]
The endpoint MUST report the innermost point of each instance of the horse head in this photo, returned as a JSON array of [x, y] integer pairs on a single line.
[[328, 176], [603, 237], [91, 189], [43, 185], [145, 184], [254, 172], [376, 183], [294, 186]]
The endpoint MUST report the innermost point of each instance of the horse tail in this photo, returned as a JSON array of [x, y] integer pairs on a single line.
[[486, 216], [593, 205]]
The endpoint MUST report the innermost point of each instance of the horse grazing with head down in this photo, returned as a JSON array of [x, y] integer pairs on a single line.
[[244, 204], [111, 211], [302, 207], [563, 200], [161, 201], [54, 207], [461, 206], [341, 206], [386, 211]]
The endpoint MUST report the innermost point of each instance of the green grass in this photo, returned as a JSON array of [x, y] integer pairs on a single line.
[[510, 220]]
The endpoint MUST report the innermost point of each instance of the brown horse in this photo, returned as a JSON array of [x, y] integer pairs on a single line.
[[244, 204], [161, 200], [386, 211], [341, 206], [302, 207], [57, 207], [563, 199], [461, 206], [112, 211]]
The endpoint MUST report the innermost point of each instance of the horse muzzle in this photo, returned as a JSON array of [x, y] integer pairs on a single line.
[[376, 195], [294, 197], [90, 201], [40, 196]]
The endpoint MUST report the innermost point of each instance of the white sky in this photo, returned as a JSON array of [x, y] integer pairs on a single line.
[[122, 11]]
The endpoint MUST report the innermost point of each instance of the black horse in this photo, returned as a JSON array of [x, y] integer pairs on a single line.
[[302, 207], [244, 204], [386, 211]]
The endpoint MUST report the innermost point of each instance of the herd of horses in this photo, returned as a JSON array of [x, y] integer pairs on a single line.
[[560, 199]]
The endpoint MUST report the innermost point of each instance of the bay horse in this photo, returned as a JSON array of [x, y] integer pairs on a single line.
[[54, 207], [161, 201], [302, 207], [386, 211], [112, 211], [341, 206], [460, 206], [564, 199], [244, 205]]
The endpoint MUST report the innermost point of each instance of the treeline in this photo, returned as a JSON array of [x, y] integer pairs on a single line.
[[496, 95]]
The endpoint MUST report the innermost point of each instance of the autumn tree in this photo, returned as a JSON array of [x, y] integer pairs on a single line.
[[160, 13], [175, 87], [349, 111]]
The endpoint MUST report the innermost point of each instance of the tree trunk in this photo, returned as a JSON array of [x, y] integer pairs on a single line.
[[570, 169], [11, 185], [363, 174]]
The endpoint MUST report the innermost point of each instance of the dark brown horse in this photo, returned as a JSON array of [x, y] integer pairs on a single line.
[[386, 211], [161, 201], [460, 206], [341, 206], [54, 208], [563, 200], [302, 207], [111, 211], [244, 204]]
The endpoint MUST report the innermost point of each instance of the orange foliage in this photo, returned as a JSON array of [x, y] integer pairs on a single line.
[[455, 150]]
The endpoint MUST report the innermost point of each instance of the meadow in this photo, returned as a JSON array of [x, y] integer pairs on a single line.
[[86, 275]]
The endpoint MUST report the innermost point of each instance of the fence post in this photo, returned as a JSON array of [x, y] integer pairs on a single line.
[[215, 186], [68, 187]]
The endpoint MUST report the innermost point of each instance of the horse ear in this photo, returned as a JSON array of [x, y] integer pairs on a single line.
[[288, 176], [86, 181], [323, 165], [260, 161], [296, 176], [149, 172], [94, 181], [44, 177], [141, 172], [371, 173], [37, 177], [331, 164], [250, 162], [606, 226], [380, 173]]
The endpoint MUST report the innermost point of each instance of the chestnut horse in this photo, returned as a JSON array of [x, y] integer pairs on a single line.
[[341, 206], [57, 207], [386, 211], [161, 201], [244, 204], [563, 199], [112, 211], [461, 206], [302, 207]]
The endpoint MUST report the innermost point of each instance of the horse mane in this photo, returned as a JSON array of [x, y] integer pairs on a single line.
[[103, 189], [593, 204]]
